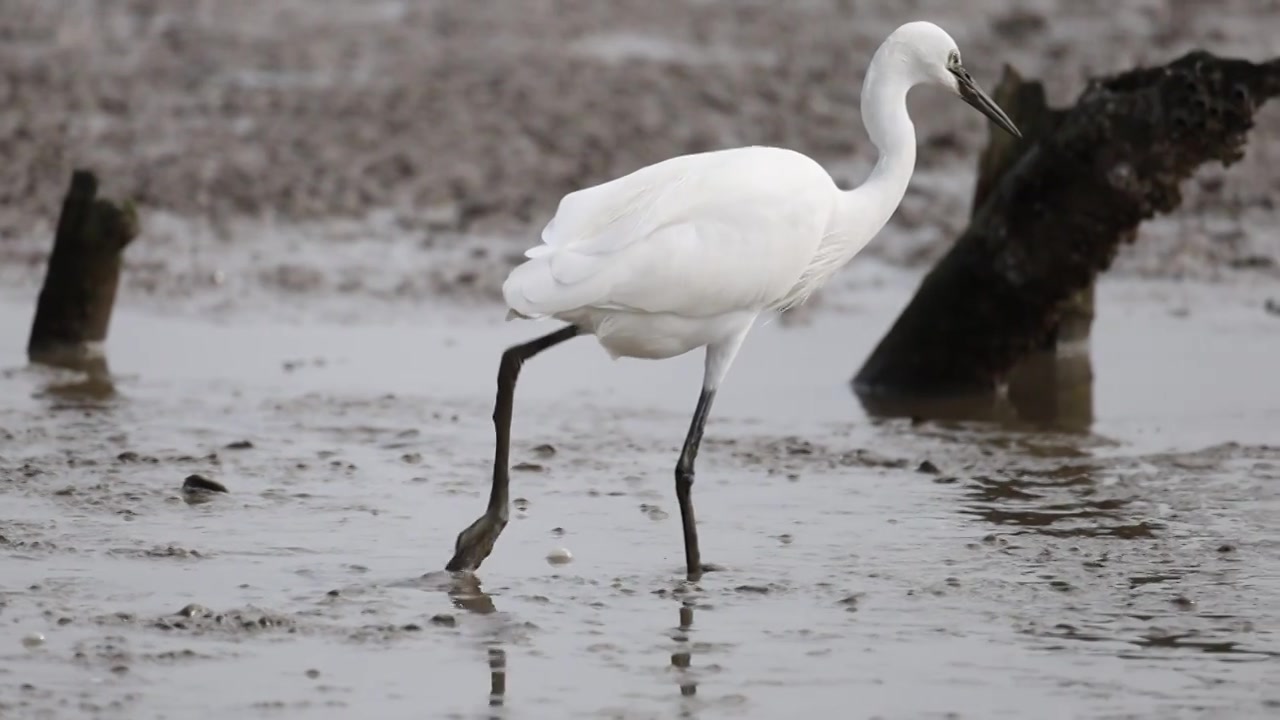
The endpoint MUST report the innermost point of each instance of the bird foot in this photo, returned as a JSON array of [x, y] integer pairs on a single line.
[[696, 575], [475, 543]]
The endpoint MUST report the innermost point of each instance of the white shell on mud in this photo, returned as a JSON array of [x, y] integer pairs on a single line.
[[559, 556], [32, 640]]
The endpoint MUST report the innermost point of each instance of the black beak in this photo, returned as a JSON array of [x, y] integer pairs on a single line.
[[972, 94]]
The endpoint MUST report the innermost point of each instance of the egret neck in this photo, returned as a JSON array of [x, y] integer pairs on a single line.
[[864, 210]]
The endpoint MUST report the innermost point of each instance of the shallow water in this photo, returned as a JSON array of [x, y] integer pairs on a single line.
[[1130, 569]]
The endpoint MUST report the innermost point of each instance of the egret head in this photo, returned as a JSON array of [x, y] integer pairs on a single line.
[[933, 58]]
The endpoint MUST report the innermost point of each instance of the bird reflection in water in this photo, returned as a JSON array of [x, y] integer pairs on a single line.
[[466, 594], [497, 677], [682, 658]]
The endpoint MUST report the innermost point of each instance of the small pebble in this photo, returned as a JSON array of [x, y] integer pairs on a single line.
[[313, 673], [194, 610], [559, 556], [33, 640], [200, 483]]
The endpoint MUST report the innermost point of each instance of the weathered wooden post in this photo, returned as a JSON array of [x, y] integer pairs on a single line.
[[1052, 383], [74, 309]]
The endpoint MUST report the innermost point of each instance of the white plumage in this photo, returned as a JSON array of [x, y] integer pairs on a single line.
[[688, 252], [663, 227], [676, 247]]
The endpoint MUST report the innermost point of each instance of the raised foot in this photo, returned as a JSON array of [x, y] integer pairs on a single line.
[[475, 543]]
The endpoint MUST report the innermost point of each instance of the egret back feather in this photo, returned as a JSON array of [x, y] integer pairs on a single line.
[[696, 236]]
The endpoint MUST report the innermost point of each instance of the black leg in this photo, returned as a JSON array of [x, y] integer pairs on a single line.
[[476, 542], [684, 483]]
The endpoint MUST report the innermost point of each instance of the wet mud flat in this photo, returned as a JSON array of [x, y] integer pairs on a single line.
[[874, 567]]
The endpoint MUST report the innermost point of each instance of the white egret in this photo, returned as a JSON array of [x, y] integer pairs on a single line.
[[688, 252]]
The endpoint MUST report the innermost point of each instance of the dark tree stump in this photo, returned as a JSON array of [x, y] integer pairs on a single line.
[[74, 309], [1051, 211], [1053, 383]]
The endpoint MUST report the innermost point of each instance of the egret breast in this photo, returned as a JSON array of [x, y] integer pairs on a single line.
[[656, 336]]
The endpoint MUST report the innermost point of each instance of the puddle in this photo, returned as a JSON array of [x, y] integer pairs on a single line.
[[873, 566]]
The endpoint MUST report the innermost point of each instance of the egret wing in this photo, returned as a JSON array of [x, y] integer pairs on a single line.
[[697, 235]]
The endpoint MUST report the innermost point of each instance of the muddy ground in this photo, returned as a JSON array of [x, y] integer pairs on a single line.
[[331, 192]]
